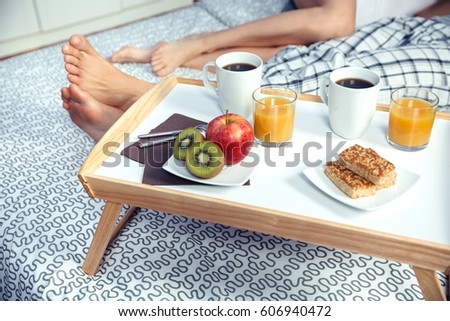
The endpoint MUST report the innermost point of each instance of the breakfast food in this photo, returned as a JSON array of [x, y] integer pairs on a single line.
[[185, 140], [205, 159], [234, 134], [368, 164], [347, 181], [229, 139], [360, 172]]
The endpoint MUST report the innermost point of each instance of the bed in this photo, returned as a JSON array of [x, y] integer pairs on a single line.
[[47, 220]]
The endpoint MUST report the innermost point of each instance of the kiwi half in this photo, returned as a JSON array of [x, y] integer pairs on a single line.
[[205, 159], [184, 140]]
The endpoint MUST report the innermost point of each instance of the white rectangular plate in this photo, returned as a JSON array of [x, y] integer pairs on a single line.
[[405, 180]]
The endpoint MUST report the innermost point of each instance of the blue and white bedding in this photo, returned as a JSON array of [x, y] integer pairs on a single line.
[[47, 220]]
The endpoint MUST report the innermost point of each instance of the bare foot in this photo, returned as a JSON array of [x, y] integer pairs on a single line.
[[107, 84], [131, 54], [90, 115], [167, 56]]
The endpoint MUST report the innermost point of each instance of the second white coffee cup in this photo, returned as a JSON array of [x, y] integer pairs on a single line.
[[351, 99], [238, 75]]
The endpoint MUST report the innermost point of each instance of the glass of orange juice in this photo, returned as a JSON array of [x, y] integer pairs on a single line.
[[273, 115], [411, 117]]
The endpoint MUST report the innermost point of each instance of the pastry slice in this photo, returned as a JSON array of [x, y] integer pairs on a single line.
[[367, 163], [347, 181]]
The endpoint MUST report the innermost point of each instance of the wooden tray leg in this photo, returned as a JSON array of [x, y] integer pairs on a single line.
[[106, 231], [429, 283]]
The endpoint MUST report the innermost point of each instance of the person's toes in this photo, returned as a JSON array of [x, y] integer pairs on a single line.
[[71, 69], [65, 49], [65, 97], [156, 58], [157, 63], [164, 71], [73, 79], [71, 60], [79, 42], [157, 67], [70, 53], [77, 94], [65, 94], [75, 41], [160, 68]]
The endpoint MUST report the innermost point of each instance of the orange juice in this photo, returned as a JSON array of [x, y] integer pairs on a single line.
[[411, 121], [274, 119]]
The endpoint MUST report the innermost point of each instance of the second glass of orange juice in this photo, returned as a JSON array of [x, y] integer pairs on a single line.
[[411, 117], [273, 115]]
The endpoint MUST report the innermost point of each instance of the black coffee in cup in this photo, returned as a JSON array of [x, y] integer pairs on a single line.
[[355, 83], [239, 67]]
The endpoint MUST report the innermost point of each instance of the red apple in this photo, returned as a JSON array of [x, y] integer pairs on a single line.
[[234, 134]]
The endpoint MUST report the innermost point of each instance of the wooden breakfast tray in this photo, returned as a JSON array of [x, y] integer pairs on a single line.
[[317, 219]]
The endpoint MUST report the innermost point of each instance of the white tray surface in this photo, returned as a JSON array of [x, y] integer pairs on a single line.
[[422, 213]]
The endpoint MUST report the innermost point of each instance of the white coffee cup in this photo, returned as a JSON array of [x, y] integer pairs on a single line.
[[353, 104], [235, 88]]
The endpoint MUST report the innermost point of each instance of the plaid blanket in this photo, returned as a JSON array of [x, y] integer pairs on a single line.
[[404, 51]]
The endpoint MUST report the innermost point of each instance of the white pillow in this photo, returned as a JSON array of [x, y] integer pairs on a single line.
[[235, 12]]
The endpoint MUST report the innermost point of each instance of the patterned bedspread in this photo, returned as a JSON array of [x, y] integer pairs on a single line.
[[47, 220]]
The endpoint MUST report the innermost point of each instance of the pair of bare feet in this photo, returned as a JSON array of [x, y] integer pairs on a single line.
[[99, 93]]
